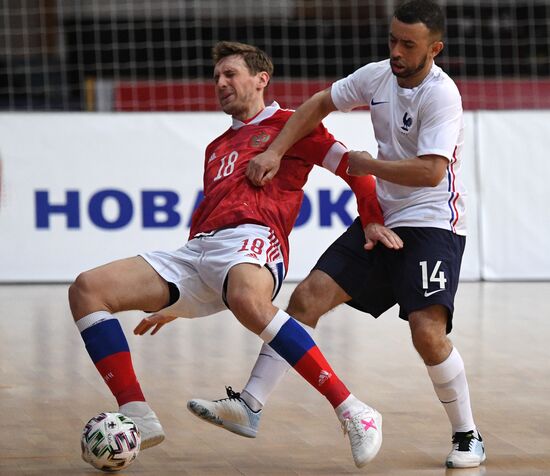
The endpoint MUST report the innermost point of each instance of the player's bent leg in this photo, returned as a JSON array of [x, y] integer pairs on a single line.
[[249, 290], [446, 370], [312, 298], [121, 285], [362, 423], [240, 413], [249, 293]]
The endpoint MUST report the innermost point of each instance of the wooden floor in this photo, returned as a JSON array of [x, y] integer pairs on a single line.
[[49, 389]]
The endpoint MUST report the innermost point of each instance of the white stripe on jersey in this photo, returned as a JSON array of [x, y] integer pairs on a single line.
[[334, 156]]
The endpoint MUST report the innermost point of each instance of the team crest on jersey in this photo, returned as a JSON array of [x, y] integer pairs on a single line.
[[259, 139], [407, 122]]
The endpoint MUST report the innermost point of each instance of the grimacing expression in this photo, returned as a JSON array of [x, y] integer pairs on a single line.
[[412, 49], [236, 87]]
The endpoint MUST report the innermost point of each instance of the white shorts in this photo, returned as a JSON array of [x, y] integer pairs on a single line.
[[200, 267]]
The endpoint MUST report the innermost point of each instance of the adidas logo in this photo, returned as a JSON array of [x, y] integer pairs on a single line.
[[323, 377], [252, 255]]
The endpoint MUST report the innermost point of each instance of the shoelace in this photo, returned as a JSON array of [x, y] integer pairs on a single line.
[[231, 395], [463, 440], [229, 407], [350, 424]]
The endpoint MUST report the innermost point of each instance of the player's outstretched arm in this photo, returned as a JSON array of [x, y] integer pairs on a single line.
[[262, 168], [154, 320]]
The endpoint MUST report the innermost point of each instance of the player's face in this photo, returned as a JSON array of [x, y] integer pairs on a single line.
[[239, 92], [412, 50]]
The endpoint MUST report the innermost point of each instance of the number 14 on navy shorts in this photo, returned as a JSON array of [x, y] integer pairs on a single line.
[[425, 272]]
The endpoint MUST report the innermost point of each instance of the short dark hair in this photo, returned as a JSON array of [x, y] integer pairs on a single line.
[[256, 59], [422, 11]]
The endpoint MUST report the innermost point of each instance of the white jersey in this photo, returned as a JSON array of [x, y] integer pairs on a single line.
[[409, 123]]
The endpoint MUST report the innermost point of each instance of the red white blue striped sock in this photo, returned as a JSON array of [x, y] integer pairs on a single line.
[[291, 341], [108, 348]]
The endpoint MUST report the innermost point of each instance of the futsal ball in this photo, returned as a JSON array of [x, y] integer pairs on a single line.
[[110, 442]]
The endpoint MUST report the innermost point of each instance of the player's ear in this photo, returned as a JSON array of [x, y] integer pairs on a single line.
[[263, 79], [437, 47]]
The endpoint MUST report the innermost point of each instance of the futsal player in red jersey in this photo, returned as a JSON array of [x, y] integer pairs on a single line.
[[236, 256]]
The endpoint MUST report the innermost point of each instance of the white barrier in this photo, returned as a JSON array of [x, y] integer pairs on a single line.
[[79, 190]]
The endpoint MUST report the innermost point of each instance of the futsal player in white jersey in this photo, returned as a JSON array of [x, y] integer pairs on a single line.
[[417, 116]]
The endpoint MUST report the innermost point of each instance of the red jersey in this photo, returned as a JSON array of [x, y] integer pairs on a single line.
[[230, 199]]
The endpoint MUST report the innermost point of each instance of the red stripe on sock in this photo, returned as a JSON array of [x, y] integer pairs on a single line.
[[315, 369], [118, 372]]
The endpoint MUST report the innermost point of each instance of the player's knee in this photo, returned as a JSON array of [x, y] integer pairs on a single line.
[[252, 309], [422, 338], [83, 294], [239, 300], [301, 306], [429, 343]]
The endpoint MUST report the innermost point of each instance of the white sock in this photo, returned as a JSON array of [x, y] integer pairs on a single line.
[[267, 373], [131, 409], [451, 387], [93, 319], [350, 407]]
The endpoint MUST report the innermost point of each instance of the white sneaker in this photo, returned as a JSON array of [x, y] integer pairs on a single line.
[[147, 422], [365, 435], [468, 450], [231, 413]]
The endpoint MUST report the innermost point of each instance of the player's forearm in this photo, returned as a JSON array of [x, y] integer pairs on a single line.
[[306, 118], [413, 172], [364, 189]]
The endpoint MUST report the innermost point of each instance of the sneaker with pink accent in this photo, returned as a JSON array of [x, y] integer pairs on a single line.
[[364, 430]]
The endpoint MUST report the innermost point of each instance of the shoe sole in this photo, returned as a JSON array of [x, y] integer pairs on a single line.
[[153, 441], [473, 464], [205, 415]]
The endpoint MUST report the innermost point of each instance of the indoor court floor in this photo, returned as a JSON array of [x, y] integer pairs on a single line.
[[49, 389]]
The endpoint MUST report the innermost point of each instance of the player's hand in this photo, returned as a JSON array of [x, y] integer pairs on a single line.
[[374, 232], [262, 168], [154, 320], [358, 163]]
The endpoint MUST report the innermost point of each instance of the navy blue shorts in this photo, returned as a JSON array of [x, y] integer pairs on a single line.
[[424, 272]]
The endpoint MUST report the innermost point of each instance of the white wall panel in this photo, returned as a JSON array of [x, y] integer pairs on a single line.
[[87, 155], [515, 216]]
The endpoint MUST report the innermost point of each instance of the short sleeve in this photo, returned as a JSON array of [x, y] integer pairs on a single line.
[[441, 123], [352, 91]]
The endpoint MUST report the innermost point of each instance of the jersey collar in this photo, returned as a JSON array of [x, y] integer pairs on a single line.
[[265, 114]]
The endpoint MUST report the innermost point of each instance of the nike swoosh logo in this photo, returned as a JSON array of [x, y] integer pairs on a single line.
[[375, 103], [428, 294]]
